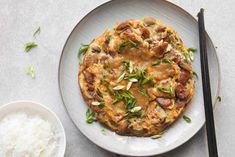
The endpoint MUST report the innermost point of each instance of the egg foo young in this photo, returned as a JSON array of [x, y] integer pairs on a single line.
[[137, 78]]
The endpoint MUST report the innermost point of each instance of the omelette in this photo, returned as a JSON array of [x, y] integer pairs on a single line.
[[137, 78]]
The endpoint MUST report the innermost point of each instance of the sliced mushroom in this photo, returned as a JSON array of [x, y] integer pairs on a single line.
[[88, 76], [184, 76], [159, 49], [160, 29], [149, 21], [145, 33], [181, 91], [185, 66], [164, 102], [103, 59], [96, 49], [174, 56], [123, 26]]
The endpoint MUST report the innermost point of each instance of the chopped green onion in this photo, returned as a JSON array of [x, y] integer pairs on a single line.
[[191, 56], [37, 32], [188, 57], [106, 66], [129, 85], [90, 116], [170, 90], [167, 60], [111, 91], [133, 80], [191, 49], [121, 77], [195, 74], [157, 62], [135, 109], [139, 74], [29, 46], [156, 136], [131, 67], [126, 43], [82, 51], [187, 119], [118, 87], [105, 78], [96, 103], [219, 98], [148, 79], [142, 114], [102, 130], [99, 92], [30, 71], [115, 101]]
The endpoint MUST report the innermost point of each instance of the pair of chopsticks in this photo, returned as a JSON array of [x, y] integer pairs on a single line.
[[210, 128]]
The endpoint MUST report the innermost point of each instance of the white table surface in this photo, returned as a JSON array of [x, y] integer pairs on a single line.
[[19, 19]]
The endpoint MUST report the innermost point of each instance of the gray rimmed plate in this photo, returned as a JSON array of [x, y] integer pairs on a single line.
[[92, 25]]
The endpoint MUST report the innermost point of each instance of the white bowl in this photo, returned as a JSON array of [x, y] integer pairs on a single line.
[[33, 108]]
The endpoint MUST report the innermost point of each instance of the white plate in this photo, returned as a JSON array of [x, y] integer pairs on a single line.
[[33, 108], [105, 17]]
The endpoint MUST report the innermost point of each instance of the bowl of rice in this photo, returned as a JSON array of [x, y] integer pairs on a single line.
[[29, 129]]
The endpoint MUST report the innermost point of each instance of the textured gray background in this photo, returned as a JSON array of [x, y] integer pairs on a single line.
[[18, 21]]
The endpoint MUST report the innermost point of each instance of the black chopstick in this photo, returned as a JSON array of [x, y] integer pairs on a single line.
[[210, 128]]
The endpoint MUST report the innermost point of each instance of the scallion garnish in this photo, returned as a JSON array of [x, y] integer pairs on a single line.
[[219, 98], [119, 87], [90, 116], [170, 90], [195, 74], [156, 62], [37, 32], [129, 85], [155, 137], [102, 130], [191, 49], [99, 92], [167, 60], [188, 56], [29, 46], [30, 71], [131, 67], [135, 109], [139, 74], [121, 77], [187, 119], [142, 114], [133, 80], [127, 43], [148, 79], [96, 103], [82, 51]]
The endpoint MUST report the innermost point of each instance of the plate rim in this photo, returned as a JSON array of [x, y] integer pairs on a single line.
[[130, 154]]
